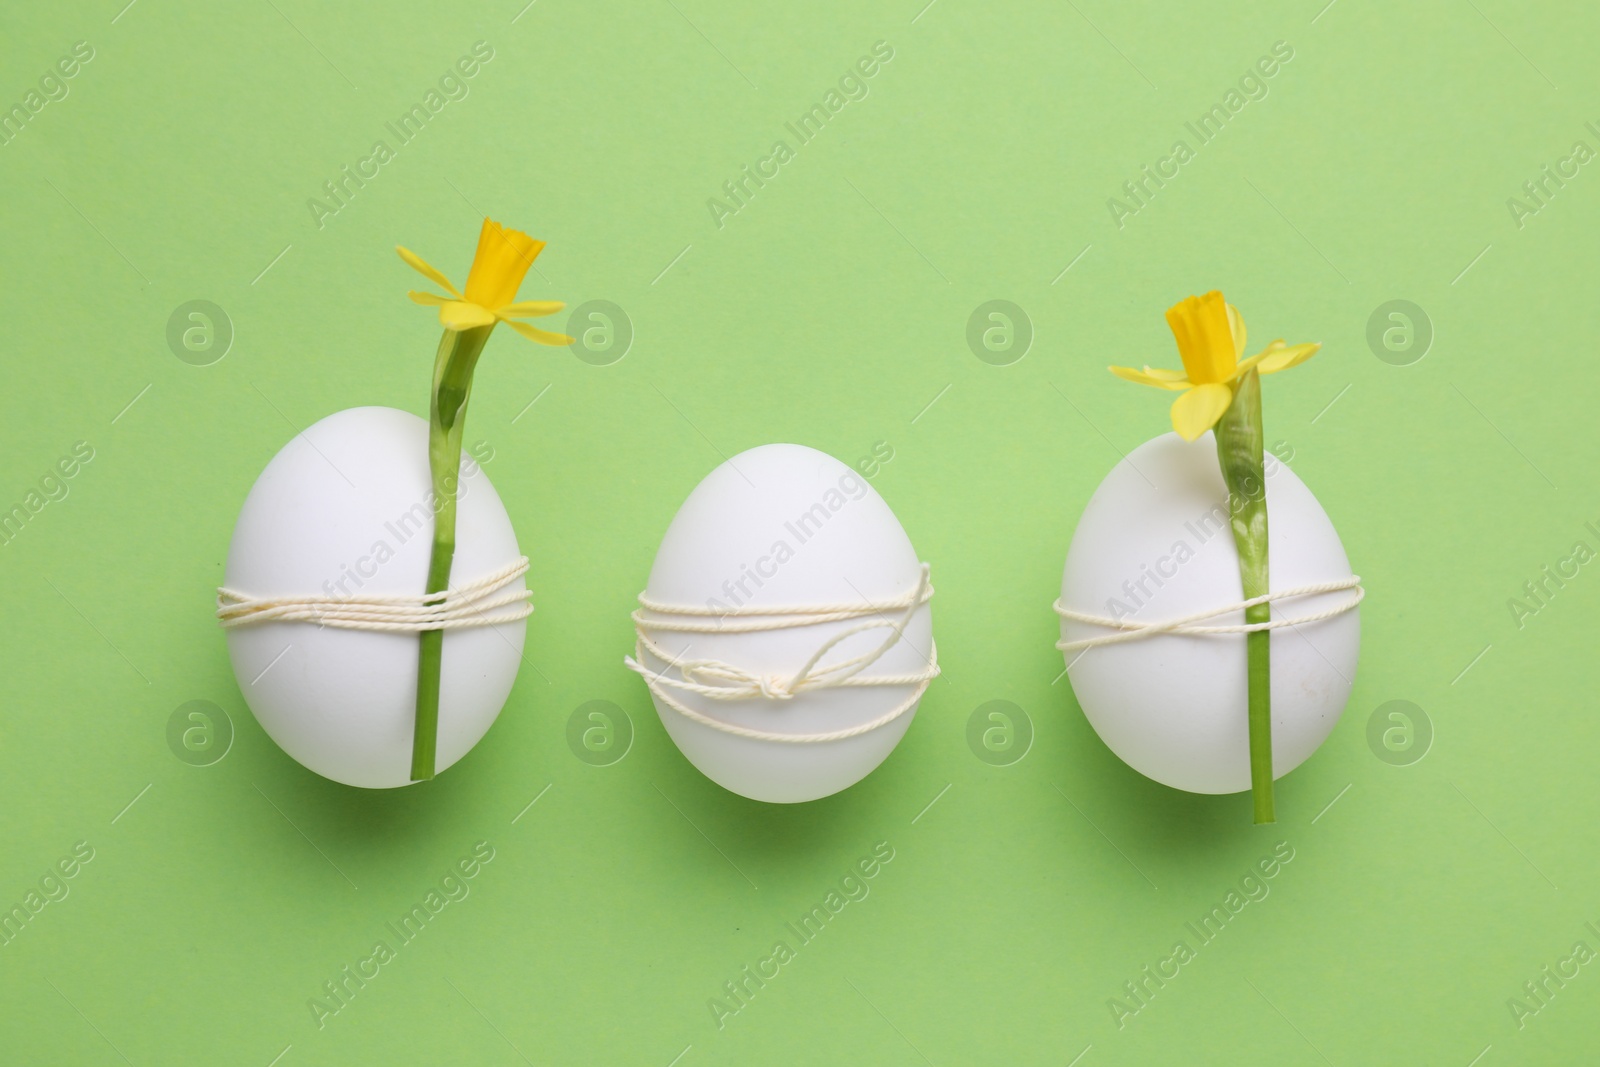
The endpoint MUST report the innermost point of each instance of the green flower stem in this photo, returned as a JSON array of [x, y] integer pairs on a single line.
[[1239, 447], [447, 415]]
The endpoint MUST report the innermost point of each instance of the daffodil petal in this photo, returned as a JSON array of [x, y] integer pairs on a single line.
[[426, 298], [463, 315], [530, 309], [421, 266], [1143, 377], [1197, 410], [1289, 356], [1236, 327], [1246, 365], [542, 337], [1164, 374]]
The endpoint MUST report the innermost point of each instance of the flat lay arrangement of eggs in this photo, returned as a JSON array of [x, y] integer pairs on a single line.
[[346, 508]]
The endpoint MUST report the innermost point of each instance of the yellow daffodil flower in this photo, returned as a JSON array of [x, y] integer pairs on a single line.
[[1210, 334], [502, 259], [498, 267]]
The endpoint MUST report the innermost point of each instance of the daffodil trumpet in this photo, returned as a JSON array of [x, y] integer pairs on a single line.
[[1220, 390], [502, 260]]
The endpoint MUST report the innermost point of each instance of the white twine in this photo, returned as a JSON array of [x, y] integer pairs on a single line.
[[716, 680], [479, 603], [1133, 629]]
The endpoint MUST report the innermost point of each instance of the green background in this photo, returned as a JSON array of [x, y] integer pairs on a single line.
[[832, 311]]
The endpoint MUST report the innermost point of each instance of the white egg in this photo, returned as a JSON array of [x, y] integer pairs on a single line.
[[1154, 543], [345, 509], [785, 525]]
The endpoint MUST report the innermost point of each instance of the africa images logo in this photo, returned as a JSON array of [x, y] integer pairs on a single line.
[[852, 87], [1252, 85], [454, 886], [853, 887], [1253, 887]]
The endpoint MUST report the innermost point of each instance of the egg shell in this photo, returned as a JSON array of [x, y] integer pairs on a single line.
[[1175, 707], [842, 543], [350, 500]]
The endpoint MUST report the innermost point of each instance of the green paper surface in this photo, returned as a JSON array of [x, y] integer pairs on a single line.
[[1442, 840]]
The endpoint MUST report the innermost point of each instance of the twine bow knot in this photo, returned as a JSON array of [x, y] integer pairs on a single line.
[[716, 680]]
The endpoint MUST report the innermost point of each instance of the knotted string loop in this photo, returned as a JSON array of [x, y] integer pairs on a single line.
[[716, 680]]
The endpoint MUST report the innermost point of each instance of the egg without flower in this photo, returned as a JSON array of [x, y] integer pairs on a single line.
[[780, 525]]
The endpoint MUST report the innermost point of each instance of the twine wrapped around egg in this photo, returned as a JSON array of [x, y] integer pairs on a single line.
[[1191, 624], [461, 607], [723, 681]]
